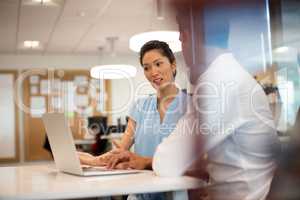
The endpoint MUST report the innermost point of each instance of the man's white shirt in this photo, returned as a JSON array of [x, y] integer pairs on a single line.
[[229, 120]]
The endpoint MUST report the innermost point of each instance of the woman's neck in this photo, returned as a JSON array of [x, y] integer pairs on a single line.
[[167, 93]]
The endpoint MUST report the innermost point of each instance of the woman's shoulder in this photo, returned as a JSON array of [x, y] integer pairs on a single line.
[[145, 102], [145, 99]]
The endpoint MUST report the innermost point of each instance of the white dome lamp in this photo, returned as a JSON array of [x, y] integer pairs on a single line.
[[113, 71], [170, 37]]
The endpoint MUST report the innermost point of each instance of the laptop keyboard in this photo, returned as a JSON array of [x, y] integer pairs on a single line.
[[93, 169]]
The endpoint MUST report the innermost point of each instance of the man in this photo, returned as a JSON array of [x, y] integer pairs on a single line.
[[229, 120]]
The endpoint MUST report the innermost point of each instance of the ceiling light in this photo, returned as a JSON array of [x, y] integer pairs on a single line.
[[281, 49], [170, 37], [31, 44], [81, 14], [42, 1], [113, 71]]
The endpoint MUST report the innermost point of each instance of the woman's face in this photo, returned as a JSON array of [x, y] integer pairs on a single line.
[[158, 69]]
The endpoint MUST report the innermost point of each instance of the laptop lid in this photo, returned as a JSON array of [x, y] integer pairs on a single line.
[[62, 143]]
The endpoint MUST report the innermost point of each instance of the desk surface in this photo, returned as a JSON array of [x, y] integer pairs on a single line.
[[44, 182]]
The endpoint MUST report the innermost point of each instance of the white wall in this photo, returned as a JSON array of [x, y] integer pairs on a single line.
[[11, 61], [123, 91]]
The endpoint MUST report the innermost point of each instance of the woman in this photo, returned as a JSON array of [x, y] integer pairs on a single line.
[[150, 119]]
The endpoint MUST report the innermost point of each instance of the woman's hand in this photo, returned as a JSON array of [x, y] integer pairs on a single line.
[[104, 158], [86, 158], [128, 160]]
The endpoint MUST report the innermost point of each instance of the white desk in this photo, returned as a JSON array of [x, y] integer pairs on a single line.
[[44, 182]]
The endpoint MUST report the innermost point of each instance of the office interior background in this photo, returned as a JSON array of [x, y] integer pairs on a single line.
[[48, 47]]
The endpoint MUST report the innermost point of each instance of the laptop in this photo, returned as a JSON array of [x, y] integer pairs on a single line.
[[64, 152]]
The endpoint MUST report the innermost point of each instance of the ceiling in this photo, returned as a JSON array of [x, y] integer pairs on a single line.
[[86, 27], [78, 26]]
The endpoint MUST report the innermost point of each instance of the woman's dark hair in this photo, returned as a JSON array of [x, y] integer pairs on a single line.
[[163, 47]]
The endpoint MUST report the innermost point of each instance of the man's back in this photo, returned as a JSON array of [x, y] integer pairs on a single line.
[[237, 129]]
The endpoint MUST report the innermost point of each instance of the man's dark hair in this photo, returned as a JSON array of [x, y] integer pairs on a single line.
[[163, 48]]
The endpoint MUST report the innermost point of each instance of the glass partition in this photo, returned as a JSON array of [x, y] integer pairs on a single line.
[[8, 146]]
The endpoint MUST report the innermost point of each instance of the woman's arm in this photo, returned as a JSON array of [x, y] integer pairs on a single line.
[[127, 139], [124, 144]]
